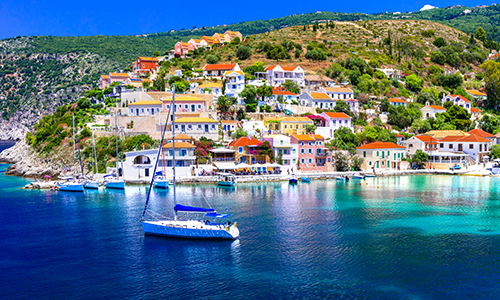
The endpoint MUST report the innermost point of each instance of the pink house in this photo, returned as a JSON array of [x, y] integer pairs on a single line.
[[185, 104], [116, 77], [313, 155], [181, 49]]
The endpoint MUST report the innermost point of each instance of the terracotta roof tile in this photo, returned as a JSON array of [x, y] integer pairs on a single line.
[[397, 100], [481, 133], [214, 67], [381, 145], [320, 96], [337, 115], [245, 141], [303, 137], [179, 145], [461, 97]]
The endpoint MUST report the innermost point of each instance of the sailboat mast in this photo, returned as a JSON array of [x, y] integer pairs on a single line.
[[116, 142], [74, 157], [94, 153], [173, 146]]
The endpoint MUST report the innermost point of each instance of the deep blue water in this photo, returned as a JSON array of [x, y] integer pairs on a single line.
[[417, 237]]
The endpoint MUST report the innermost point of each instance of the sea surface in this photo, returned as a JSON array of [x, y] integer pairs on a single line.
[[410, 237]]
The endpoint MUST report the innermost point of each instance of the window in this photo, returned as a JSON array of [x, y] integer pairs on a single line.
[[302, 161], [450, 146], [410, 145], [190, 127], [471, 146], [364, 153], [199, 106], [168, 106], [286, 126], [377, 153], [328, 159], [281, 142], [176, 126], [213, 126], [480, 147], [302, 143], [304, 126], [294, 160], [303, 151], [293, 151], [370, 163], [296, 126], [310, 160], [240, 149], [310, 143], [310, 151], [199, 127], [186, 106], [170, 152], [383, 163], [394, 156], [441, 145]]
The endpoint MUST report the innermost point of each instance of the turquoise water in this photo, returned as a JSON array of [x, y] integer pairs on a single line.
[[413, 237]]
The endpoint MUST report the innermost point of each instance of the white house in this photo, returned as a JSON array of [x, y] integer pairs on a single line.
[[381, 155], [198, 127], [319, 100], [235, 83], [333, 121], [477, 94], [283, 148], [139, 164], [287, 95], [398, 102], [431, 110], [277, 75], [338, 92], [458, 100], [213, 88], [144, 108], [474, 146], [218, 70], [421, 142]]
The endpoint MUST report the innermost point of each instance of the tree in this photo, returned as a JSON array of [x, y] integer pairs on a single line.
[[414, 83], [489, 124], [264, 91], [344, 139], [291, 86], [421, 126], [341, 161], [384, 105], [438, 57], [492, 82], [494, 152], [425, 97], [310, 128], [458, 116], [224, 103], [419, 158], [356, 163], [212, 59], [481, 34], [439, 42], [244, 52], [342, 106], [238, 133], [248, 94], [236, 40], [451, 81]]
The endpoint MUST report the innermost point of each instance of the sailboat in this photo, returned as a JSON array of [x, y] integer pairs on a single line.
[[161, 180], [189, 229], [72, 184], [91, 182], [114, 181]]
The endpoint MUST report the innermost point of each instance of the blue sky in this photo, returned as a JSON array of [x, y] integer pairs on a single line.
[[125, 17]]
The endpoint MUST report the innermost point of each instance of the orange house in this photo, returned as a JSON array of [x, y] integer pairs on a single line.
[[145, 64]]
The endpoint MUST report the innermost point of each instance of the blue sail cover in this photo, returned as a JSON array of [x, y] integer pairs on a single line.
[[179, 207]]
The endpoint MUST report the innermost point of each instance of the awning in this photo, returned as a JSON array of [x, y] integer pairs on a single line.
[[243, 166], [222, 150], [225, 165], [179, 207]]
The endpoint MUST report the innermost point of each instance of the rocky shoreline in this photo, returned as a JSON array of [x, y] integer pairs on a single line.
[[24, 162]]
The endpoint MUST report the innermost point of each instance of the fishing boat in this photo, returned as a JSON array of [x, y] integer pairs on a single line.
[[71, 183], [358, 177], [292, 179], [90, 182], [370, 175], [188, 229], [113, 181], [305, 179], [342, 178], [226, 179]]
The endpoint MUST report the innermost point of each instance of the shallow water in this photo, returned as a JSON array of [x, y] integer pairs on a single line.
[[411, 237]]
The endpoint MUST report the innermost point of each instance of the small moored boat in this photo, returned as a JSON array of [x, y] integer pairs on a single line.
[[305, 179], [343, 178], [226, 179], [358, 177], [292, 179]]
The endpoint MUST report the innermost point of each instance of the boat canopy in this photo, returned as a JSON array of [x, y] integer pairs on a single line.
[[216, 215], [179, 207]]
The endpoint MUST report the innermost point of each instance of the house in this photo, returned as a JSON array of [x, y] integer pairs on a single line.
[[181, 49], [247, 151], [289, 125], [198, 127], [145, 65], [421, 142], [185, 104], [439, 134], [222, 37], [391, 73], [475, 114], [229, 126], [317, 80], [477, 94], [103, 81], [213, 88], [313, 156], [484, 135], [117, 77], [400, 139], [276, 75], [398, 102], [185, 159], [474, 146], [457, 100], [318, 100], [137, 82], [208, 41], [288, 96], [284, 150], [195, 43], [381, 155], [233, 34], [431, 110], [218, 70], [341, 93], [144, 108], [333, 121], [139, 164], [235, 83]]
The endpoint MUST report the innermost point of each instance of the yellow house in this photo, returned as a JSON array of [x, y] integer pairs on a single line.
[[289, 125]]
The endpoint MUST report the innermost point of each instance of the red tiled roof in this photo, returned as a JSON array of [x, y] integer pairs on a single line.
[[282, 92], [437, 107], [399, 135], [268, 68], [245, 141], [481, 133], [148, 58], [320, 96], [427, 139], [473, 109], [461, 97], [380, 145], [179, 145], [303, 137], [397, 100], [337, 115], [466, 139], [214, 67]]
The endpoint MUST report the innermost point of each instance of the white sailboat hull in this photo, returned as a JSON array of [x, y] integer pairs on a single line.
[[71, 187], [91, 185], [115, 185], [190, 230]]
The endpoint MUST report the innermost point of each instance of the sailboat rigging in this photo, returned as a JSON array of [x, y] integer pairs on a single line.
[[91, 182], [114, 182], [191, 229], [72, 184]]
